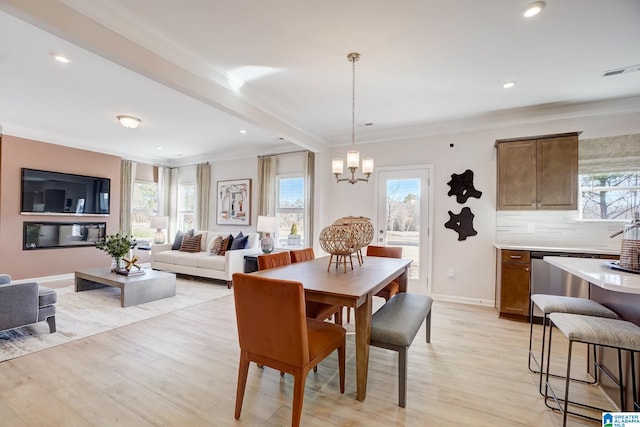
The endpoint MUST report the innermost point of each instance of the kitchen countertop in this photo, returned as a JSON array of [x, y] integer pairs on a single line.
[[581, 250], [596, 272]]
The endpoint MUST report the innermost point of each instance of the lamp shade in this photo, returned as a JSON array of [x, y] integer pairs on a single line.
[[159, 222], [267, 224]]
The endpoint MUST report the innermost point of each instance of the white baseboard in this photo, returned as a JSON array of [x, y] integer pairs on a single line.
[[463, 300]]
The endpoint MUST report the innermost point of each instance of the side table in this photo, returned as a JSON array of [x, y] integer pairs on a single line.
[[251, 263]]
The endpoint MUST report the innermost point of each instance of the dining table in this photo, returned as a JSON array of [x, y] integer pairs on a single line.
[[350, 287]]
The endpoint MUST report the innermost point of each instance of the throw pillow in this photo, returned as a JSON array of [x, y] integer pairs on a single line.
[[226, 244], [215, 248], [191, 244], [177, 241], [239, 243]]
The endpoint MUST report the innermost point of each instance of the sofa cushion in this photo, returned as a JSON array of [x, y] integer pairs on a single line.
[[226, 244], [166, 257], [189, 259], [203, 240], [191, 244], [215, 245], [177, 241], [239, 243], [213, 262]]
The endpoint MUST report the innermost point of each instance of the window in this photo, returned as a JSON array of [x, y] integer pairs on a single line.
[[610, 195], [143, 206], [290, 209], [609, 177], [186, 206]]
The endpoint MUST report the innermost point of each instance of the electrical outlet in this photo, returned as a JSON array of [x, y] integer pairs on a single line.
[[452, 273]]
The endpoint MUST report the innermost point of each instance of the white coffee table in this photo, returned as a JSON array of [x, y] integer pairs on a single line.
[[134, 290]]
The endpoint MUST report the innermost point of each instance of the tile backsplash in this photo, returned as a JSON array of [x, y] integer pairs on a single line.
[[556, 229]]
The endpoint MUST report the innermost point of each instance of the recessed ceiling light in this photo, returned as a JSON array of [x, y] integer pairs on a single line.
[[533, 9], [159, 148], [243, 131], [129, 122], [61, 58], [509, 84]]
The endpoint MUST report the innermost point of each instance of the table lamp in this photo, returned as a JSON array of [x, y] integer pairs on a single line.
[[267, 225], [159, 223]]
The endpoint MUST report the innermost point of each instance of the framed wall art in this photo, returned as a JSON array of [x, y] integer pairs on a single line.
[[234, 202]]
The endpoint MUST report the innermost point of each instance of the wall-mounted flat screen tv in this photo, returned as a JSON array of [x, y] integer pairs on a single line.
[[47, 192]]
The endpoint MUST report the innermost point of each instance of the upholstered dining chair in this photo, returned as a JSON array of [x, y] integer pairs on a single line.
[[283, 338], [387, 252], [276, 259], [316, 310]]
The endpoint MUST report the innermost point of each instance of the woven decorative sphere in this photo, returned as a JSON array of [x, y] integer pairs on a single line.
[[340, 239], [365, 226]]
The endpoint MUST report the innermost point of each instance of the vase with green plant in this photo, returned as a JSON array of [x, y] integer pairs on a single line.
[[293, 238], [117, 246]]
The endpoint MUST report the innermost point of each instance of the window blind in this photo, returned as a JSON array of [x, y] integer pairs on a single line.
[[610, 154]]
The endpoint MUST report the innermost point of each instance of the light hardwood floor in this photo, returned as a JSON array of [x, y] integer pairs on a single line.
[[180, 369]]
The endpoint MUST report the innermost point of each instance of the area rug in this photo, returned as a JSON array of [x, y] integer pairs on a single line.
[[81, 314]]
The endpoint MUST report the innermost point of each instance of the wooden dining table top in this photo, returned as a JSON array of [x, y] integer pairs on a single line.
[[336, 286]]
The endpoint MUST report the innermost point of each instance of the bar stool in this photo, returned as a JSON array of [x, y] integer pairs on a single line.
[[605, 332], [561, 304]]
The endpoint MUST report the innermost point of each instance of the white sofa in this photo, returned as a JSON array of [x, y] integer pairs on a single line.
[[203, 264]]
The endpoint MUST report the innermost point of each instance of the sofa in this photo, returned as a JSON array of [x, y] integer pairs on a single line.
[[22, 304], [203, 263]]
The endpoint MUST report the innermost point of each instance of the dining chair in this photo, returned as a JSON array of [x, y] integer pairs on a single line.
[[316, 310], [392, 288], [276, 259], [274, 331]]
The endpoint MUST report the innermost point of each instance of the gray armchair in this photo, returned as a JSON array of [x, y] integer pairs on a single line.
[[22, 304]]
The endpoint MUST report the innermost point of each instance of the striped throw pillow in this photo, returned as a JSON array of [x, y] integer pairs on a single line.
[[190, 244]]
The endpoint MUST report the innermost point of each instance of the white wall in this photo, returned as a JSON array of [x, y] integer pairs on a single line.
[[472, 259]]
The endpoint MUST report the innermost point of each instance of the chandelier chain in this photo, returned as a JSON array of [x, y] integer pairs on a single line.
[[353, 102]]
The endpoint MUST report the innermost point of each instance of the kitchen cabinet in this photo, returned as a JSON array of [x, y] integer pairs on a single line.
[[513, 283], [538, 173]]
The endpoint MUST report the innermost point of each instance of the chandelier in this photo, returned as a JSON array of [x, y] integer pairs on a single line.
[[353, 156]]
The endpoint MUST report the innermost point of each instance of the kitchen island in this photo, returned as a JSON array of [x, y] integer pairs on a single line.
[[616, 290], [599, 273]]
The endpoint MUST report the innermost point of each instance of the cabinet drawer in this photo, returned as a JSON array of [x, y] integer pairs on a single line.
[[516, 256]]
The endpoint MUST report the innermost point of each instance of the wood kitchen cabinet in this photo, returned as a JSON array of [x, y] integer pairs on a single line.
[[513, 283], [538, 173]]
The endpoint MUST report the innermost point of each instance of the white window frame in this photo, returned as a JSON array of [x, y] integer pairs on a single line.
[[300, 211]]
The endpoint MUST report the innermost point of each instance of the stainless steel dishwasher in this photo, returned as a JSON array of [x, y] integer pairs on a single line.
[[548, 279]]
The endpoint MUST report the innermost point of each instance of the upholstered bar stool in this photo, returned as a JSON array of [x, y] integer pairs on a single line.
[[560, 304], [597, 331]]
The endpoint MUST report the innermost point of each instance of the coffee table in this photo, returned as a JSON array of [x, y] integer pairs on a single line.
[[134, 290]]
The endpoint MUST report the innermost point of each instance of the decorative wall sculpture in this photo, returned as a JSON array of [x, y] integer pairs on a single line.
[[462, 223], [462, 186]]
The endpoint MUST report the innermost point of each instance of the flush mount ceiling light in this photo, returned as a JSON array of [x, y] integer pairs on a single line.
[[509, 84], [129, 122], [533, 9], [61, 58], [353, 156]]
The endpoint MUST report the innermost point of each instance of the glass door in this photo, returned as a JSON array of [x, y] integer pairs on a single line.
[[403, 219]]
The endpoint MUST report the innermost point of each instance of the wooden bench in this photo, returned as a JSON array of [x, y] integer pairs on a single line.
[[395, 325]]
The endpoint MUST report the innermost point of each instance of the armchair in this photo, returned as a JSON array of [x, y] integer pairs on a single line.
[[22, 304]]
